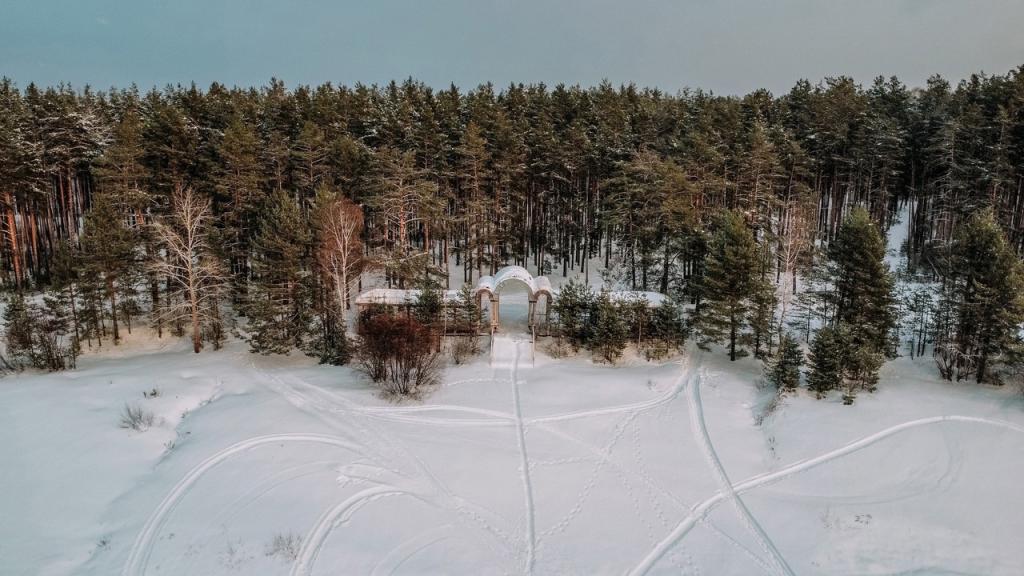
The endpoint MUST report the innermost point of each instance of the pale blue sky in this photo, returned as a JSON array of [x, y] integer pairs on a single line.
[[728, 47]]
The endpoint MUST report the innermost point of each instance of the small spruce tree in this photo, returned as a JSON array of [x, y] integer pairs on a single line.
[[609, 331], [666, 331], [573, 309], [825, 362], [19, 331], [784, 370]]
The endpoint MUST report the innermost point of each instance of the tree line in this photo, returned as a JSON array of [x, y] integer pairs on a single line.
[[276, 199]]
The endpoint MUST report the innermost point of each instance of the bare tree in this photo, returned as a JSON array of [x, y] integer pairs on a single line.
[[196, 278], [795, 242], [340, 250]]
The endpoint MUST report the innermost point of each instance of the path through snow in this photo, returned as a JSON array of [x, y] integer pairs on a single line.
[[563, 468]]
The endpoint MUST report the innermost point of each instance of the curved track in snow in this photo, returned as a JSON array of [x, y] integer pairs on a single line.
[[140, 551], [337, 515], [400, 554], [703, 508], [362, 432], [700, 432]]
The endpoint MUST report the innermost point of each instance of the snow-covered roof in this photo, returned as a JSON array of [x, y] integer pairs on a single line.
[[399, 297], [536, 285], [654, 299]]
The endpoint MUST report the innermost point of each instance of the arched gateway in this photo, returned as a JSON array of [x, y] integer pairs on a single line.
[[536, 287]]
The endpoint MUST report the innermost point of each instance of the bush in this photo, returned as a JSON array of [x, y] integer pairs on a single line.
[[666, 332], [463, 348], [133, 417], [398, 354], [573, 309], [285, 546], [608, 330], [558, 348], [39, 336]]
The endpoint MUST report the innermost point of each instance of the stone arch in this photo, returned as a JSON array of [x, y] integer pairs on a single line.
[[537, 287]]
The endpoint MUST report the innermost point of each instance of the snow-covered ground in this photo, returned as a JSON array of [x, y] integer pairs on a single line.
[[278, 466]]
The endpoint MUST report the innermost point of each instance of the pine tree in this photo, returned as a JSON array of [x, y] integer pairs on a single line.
[[784, 370], [277, 309], [825, 361], [328, 338], [237, 184], [109, 252], [120, 171], [573, 309], [477, 208], [863, 285], [406, 202], [609, 332], [19, 330], [860, 366], [54, 345], [468, 315], [64, 285], [730, 285], [855, 296], [762, 317], [666, 331], [429, 306], [310, 152], [982, 306]]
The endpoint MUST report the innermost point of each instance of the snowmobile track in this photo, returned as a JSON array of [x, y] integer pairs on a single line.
[[524, 463], [703, 508], [337, 515], [138, 556], [700, 432]]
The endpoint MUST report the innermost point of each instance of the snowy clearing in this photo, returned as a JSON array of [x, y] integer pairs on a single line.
[[278, 466]]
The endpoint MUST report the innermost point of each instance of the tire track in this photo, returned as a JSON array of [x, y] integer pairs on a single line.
[[317, 397], [406, 550], [524, 463], [442, 498], [700, 432], [340, 514], [601, 455], [643, 406], [637, 407], [703, 508], [138, 556], [253, 494]]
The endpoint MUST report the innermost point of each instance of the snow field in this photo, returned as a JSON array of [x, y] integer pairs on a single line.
[[278, 466]]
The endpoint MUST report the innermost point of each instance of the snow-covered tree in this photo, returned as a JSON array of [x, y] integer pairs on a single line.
[[731, 285], [196, 278]]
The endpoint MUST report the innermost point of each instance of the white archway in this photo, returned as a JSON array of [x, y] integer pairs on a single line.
[[536, 287]]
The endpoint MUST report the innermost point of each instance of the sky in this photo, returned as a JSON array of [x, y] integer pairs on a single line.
[[728, 47]]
